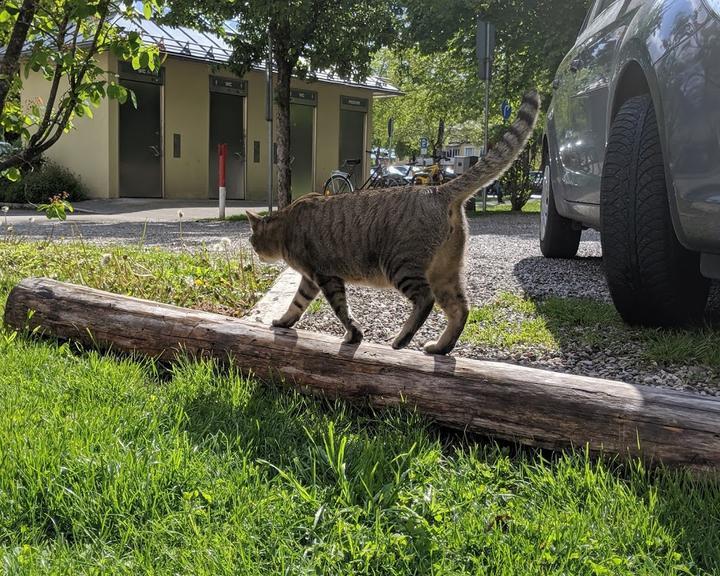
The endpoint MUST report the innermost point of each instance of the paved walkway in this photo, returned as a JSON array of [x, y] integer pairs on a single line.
[[141, 210]]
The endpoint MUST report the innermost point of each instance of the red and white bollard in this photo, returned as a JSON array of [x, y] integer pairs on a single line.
[[222, 191]]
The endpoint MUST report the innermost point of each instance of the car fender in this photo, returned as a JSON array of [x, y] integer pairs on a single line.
[[651, 35], [635, 54], [563, 207]]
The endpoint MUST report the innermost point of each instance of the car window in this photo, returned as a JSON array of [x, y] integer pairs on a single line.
[[604, 5], [587, 19]]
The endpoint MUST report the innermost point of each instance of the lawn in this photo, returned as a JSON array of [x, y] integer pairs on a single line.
[[512, 321], [531, 207], [222, 280], [121, 466]]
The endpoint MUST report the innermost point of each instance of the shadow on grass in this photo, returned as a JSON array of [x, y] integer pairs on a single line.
[[567, 305], [354, 456]]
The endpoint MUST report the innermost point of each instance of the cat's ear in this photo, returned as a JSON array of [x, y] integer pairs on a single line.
[[253, 218]]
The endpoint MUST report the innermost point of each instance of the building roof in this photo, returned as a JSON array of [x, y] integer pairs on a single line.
[[192, 44]]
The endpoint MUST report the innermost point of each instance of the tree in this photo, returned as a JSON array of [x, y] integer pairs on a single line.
[[306, 35], [435, 66], [62, 40], [436, 88], [532, 35]]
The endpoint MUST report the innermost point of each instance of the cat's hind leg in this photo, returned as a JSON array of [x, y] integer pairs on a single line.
[[333, 288], [450, 296], [306, 293], [414, 286]]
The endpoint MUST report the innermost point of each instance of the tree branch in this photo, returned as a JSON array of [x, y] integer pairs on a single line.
[[10, 64]]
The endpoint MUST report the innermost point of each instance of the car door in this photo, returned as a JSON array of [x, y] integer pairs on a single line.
[[583, 92]]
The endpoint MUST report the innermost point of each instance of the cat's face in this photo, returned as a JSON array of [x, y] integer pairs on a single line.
[[265, 237]]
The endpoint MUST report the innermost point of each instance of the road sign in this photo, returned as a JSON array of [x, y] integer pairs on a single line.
[[506, 109], [423, 145], [484, 48]]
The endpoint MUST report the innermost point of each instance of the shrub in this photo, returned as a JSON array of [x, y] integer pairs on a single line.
[[45, 180]]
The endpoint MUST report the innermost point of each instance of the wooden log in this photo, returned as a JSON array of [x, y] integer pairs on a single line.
[[534, 407]]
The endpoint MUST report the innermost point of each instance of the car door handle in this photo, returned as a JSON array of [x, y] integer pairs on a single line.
[[575, 65]]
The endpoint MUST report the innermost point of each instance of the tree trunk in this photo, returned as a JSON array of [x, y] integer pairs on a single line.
[[535, 407], [282, 100], [10, 64]]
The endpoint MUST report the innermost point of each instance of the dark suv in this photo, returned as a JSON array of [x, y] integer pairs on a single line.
[[632, 148]]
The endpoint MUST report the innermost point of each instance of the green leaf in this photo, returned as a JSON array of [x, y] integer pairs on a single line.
[[12, 174], [144, 59], [147, 10]]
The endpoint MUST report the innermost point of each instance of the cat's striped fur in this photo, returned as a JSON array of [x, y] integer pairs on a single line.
[[409, 238]]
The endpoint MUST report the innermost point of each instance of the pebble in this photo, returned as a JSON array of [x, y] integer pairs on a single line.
[[503, 255]]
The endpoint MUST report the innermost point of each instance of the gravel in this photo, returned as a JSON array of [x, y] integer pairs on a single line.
[[503, 256], [171, 235]]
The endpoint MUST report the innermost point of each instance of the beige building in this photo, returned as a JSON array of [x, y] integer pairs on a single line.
[[166, 147]]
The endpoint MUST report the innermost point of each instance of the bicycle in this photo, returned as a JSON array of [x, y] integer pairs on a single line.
[[340, 181]]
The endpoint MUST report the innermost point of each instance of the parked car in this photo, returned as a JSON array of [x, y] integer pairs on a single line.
[[405, 171], [632, 148], [536, 181]]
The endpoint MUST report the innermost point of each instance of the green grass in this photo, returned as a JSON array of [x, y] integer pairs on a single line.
[[225, 282], [515, 322], [532, 207], [112, 466], [316, 305]]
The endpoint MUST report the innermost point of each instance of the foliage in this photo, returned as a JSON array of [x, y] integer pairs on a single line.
[[436, 65], [516, 181], [527, 54], [516, 323], [338, 36], [63, 42], [224, 281], [531, 207], [45, 180], [435, 88], [131, 469], [57, 207]]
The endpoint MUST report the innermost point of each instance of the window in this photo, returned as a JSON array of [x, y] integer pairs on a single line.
[[469, 151], [603, 5], [597, 8]]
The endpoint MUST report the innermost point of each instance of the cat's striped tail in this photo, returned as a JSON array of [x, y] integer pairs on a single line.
[[501, 156]]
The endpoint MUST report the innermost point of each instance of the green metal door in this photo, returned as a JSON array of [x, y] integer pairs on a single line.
[[227, 111], [302, 129], [140, 135], [352, 135]]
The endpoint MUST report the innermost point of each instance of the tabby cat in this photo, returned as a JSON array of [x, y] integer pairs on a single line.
[[409, 238]]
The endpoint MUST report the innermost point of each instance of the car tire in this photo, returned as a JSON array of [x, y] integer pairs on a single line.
[[653, 279], [559, 236]]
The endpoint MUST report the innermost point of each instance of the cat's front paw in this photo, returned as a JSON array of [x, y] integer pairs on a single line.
[[353, 336], [283, 323], [434, 348]]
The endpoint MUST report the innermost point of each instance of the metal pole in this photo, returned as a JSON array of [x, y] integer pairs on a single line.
[[222, 192], [487, 103], [269, 118]]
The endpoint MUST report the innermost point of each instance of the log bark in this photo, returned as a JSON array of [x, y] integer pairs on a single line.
[[531, 406]]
